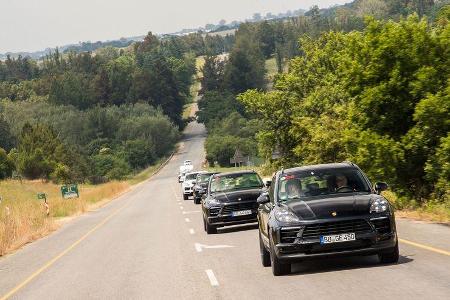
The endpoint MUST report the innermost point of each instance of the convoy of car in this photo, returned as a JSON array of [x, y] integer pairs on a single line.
[[307, 212]]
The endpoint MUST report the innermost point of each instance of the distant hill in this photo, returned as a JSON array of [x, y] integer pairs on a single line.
[[219, 28]]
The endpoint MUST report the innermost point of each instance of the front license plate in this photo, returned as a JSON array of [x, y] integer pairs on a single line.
[[337, 238], [241, 213]]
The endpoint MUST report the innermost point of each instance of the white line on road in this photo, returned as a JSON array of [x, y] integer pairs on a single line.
[[181, 207], [191, 231], [199, 247], [190, 212], [187, 220], [212, 278]]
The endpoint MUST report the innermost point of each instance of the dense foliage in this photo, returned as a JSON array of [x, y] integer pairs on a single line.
[[379, 97], [73, 117]]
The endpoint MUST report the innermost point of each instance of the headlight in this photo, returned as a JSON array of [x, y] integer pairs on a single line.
[[379, 205], [213, 201], [285, 216]]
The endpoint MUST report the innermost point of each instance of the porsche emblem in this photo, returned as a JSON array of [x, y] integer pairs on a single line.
[[239, 199], [334, 214]]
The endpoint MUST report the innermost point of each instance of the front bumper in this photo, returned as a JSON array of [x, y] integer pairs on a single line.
[[188, 191], [366, 243], [230, 220], [223, 216]]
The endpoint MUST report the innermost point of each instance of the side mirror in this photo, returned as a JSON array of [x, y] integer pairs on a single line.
[[380, 186], [268, 183], [263, 199]]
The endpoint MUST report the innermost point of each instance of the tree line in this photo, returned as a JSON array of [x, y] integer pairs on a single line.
[[96, 116]]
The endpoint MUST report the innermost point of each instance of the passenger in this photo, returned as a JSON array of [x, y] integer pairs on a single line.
[[341, 181], [293, 189]]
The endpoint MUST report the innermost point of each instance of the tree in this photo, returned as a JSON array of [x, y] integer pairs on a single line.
[[6, 165]]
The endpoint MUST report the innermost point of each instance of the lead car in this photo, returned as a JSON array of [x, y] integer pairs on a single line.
[[324, 210]]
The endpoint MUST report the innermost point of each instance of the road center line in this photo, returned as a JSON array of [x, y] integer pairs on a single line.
[[212, 278], [191, 231], [440, 251], [56, 258], [181, 207], [187, 220]]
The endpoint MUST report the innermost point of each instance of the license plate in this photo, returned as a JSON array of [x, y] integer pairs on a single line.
[[337, 238], [241, 213]]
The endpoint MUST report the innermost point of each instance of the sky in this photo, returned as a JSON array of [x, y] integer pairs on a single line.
[[31, 25]]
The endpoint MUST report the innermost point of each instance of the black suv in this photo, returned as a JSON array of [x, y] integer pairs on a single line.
[[201, 186], [324, 210], [231, 199]]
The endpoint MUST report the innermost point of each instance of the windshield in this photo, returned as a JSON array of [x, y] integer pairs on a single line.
[[309, 183], [191, 176], [202, 178], [235, 182]]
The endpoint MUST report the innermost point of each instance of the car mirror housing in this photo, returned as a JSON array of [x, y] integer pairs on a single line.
[[380, 186], [263, 199], [268, 183]]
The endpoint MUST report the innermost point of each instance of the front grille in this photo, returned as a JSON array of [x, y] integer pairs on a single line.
[[288, 234], [229, 208], [382, 225], [316, 230]]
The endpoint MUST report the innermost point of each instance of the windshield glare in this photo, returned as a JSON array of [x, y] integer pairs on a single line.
[[235, 182], [309, 183], [202, 178]]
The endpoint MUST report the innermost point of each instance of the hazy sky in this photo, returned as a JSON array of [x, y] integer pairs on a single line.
[[30, 25]]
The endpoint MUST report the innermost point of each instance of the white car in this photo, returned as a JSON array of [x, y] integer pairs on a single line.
[[186, 167], [188, 184]]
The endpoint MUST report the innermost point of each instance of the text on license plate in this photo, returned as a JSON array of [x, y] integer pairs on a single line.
[[337, 238], [241, 213]]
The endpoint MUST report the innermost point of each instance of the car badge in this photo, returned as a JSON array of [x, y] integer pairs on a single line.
[[334, 214], [239, 199]]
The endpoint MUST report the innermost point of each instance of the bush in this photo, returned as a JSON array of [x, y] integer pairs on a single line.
[[6, 165]]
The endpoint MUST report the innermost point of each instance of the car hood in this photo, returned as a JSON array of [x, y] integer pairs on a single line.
[[334, 206], [239, 195]]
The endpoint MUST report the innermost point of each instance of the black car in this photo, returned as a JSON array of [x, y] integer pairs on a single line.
[[201, 186], [231, 199], [324, 210]]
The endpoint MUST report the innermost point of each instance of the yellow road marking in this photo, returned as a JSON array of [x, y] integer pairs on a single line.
[[56, 258], [440, 251]]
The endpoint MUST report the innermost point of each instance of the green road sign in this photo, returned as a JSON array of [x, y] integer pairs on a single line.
[[42, 196], [70, 191]]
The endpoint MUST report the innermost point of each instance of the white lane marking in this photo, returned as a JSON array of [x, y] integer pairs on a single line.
[[212, 278], [199, 247], [181, 207], [187, 220], [191, 231], [190, 212]]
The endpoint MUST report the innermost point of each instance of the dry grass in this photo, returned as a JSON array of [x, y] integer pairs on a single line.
[[23, 217]]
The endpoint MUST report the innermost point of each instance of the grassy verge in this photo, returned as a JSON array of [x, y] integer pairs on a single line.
[[23, 217]]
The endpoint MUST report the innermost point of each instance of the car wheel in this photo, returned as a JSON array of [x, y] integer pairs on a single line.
[[278, 268], [210, 229], [390, 257], [185, 197], [265, 255]]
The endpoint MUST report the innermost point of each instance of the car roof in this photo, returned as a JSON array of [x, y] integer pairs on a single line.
[[237, 172], [322, 167]]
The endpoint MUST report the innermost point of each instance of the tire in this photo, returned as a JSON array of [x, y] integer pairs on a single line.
[[390, 257], [278, 268], [210, 229], [185, 197], [265, 255]]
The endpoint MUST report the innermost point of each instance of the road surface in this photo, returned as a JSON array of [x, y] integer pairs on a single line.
[[150, 244]]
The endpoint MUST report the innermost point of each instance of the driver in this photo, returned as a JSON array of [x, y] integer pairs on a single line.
[[341, 182]]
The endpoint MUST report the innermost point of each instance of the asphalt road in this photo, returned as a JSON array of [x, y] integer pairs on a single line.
[[150, 244]]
